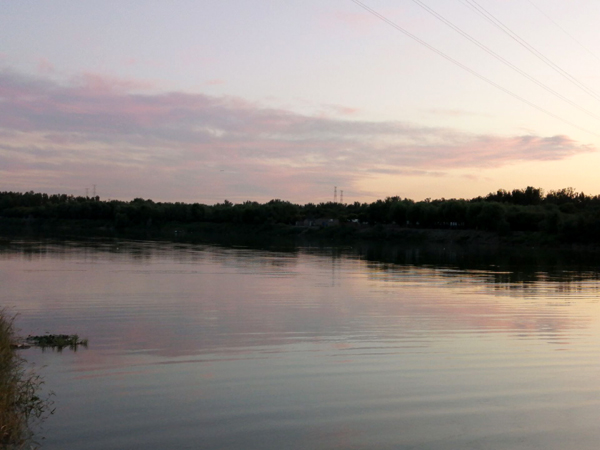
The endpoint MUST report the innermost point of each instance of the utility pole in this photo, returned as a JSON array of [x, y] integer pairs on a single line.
[[342, 196], [94, 191], [335, 194]]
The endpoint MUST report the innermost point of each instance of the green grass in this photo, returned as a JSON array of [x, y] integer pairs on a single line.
[[20, 403]]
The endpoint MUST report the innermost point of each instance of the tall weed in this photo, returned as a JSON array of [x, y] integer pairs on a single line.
[[21, 406]]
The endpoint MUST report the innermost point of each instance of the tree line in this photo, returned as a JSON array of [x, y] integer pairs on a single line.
[[565, 212]]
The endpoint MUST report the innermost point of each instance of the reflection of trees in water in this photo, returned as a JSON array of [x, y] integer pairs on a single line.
[[146, 250], [509, 269], [239, 297], [513, 269]]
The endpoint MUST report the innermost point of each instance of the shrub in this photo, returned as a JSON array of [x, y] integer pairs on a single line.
[[20, 403]]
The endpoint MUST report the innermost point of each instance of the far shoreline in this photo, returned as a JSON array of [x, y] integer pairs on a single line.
[[340, 234]]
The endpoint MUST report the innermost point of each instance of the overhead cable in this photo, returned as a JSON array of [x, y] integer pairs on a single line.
[[565, 31], [502, 59], [468, 69], [497, 23]]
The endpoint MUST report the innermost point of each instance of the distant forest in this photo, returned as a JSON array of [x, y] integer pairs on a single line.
[[569, 215]]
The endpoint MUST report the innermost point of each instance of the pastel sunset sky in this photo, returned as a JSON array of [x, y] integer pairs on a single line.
[[207, 100]]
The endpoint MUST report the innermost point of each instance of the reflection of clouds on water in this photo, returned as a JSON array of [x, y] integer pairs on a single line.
[[177, 300], [478, 301]]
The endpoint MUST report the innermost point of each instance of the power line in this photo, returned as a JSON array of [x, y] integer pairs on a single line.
[[468, 69], [502, 59], [497, 23], [565, 31]]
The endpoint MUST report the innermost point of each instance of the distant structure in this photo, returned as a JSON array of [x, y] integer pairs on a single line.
[[94, 191], [341, 196], [335, 194], [87, 192]]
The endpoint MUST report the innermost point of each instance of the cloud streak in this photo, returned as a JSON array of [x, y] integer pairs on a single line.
[[93, 123]]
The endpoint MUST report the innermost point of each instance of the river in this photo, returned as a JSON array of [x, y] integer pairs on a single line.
[[201, 346]]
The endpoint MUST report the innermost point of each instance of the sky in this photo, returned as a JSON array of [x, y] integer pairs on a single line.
[[203, 101]]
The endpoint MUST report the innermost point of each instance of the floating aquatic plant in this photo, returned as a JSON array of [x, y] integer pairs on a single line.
[[57, 341]]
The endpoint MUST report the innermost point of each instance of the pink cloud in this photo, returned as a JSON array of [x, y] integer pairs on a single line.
[[358, 20], [342, 110], [102, 84], [102, 127], [45, 66], [455, 113]]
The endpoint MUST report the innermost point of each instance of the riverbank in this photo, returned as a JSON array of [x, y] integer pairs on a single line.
[[245, 234]]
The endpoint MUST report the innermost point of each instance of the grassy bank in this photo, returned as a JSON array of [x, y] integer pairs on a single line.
[[20, 403]]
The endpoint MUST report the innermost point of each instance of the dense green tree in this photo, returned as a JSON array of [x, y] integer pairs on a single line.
[[564, 212]]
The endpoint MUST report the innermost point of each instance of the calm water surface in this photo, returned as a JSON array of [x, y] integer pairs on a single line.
[[230, 348]]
